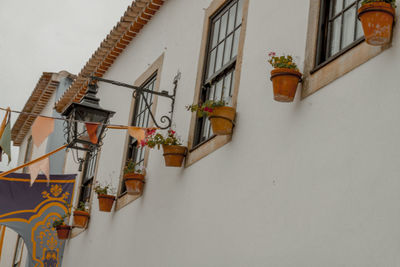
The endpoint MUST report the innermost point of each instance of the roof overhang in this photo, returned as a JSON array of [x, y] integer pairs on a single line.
[[138, 14], [38, 100]]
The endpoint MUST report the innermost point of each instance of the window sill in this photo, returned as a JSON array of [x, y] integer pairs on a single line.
[[124, 200], [77, 231], [208, 147], [339, 67]]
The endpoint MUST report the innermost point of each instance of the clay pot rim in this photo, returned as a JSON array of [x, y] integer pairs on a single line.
[[176, 153], [377, 7], [285, 71], [225, 107], [106, 196], [81, 213], [69, 227], [133, 176]]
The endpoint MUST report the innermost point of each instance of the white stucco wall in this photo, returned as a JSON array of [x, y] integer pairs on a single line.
[[312, 183]]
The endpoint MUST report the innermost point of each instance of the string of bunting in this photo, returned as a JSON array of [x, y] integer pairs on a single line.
[[110, 126], [42, 127]]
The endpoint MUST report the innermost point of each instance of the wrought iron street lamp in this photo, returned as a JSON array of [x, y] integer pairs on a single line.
[[83, 116]]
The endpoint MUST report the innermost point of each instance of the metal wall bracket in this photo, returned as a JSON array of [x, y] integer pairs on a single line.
[[166, 120]]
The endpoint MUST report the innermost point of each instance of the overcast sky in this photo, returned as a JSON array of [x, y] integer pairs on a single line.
[[48, 36]]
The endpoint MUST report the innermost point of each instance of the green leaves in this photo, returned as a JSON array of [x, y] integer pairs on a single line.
[[157, 139], [205, 109], [392, 2], [282, 61], [131, 167]]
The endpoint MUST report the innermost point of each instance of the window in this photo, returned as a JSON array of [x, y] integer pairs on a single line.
[[335, 43], [28, 153], [140, 118], [221, 57], [339, 28], [88, 177], [18, 252]]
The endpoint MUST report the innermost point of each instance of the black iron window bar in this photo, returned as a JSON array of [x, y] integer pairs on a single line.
[[166, 120]]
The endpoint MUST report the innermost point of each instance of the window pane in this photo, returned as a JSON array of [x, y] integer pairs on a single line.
[[336, 7], [235, 43], [211, 92], [239, 13], [228, 49], [359, 32], [224, 21], [348, 2], [348, 26], [232, 17], [218, 90], [215, 33], [211, 63], [220, 53], [335, 36], [226, 94]]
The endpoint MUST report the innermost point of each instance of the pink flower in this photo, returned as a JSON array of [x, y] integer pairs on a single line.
[[207, 109], [171, 131], [150, 131], [143, 143], [272, 54]]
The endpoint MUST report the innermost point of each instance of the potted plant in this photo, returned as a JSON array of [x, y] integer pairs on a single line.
[[62, 229], [81, 215], [133, 178], [174, 152], [220, 115], [285, 77], [106, 200], [377, 18]]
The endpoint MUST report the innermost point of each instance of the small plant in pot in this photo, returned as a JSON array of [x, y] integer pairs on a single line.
[[220, 115], [285, 77], [174, 152], [61, 227], [377, 19], [134, 177], [105, 196], [81, 215]]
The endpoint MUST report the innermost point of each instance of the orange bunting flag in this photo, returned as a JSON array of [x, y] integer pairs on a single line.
[[137, 132], [41, 129], [92, 132], [35, 168]]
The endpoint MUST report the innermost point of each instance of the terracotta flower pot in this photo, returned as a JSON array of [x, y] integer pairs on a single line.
[[285, 83], [174, 155], [222, 120], [81, 218], [63, 231], [377, 20], [106, 202], [134, 183]]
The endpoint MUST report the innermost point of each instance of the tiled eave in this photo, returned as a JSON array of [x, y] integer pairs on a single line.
[[38, 100], [138, 14]]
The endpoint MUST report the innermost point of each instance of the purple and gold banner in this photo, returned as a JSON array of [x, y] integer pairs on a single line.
[[30, 211]]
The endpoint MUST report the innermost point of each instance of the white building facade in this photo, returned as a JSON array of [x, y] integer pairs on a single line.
[[309, 183]]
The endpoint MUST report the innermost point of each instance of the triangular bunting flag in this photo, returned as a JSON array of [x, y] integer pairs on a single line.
[[137, 132], [35, 168], [5, 141], [41, 129], [92, 131], [2, 128]]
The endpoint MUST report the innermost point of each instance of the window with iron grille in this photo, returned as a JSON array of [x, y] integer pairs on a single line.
[[88, 177], [221, 54], [339, 29], [141, 118]]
